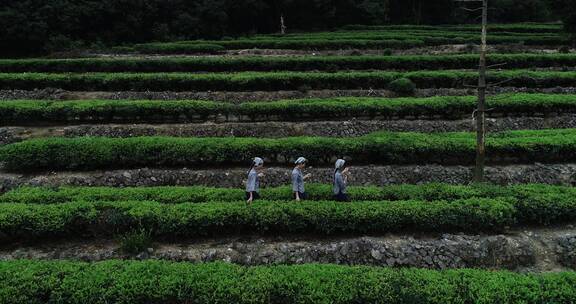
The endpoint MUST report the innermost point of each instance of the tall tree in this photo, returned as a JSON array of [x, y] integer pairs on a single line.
[[480, 113], [37, 26], [567, 11], [482, 87], [386, 9]]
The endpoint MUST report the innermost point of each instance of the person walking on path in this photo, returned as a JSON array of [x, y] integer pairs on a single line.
[[298, 179], [340, 181], [253, 182]]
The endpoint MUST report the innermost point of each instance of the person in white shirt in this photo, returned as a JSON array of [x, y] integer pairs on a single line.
[[298, 178], [253, 183], [341, 181]]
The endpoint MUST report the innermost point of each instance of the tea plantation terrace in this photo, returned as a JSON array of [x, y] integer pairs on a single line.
[[285, 63], [273, 81], [173, 204]]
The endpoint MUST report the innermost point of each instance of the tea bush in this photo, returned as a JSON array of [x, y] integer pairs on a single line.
[[168, 282], [274, 81], [89, 153], [32, 112], [96, 219]]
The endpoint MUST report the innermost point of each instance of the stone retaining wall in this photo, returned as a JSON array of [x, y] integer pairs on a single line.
[[561, 174], [237, 97], [543, 250]]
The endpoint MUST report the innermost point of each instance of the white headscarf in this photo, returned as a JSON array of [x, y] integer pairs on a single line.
[[258, 161], [300, 160], [340, 163]]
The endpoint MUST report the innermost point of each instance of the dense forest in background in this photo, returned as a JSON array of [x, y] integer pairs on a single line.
[[39, 26]]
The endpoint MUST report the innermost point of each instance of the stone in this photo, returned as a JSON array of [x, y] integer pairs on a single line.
[[376, 254]]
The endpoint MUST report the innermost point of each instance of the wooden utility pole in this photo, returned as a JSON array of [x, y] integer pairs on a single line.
[[481, 111]]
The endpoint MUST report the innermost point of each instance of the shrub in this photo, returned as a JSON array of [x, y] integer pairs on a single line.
[[135, 242], [123, 49], [402, 86], [375, 39], [380, 148], [298, 43], [254, 81], [61, 282], [32, 112], [535, 204], [510, 28], [172, 48], [304, 89], [564, 50], [96, 219], [280, 63]]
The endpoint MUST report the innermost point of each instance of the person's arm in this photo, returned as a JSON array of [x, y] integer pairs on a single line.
[[345, 175]]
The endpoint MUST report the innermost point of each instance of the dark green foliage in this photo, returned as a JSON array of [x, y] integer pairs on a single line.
[[167, 195], [398, 39], [473, 28], [567, 10], [95, 219], [32, 112], [564, 49], [276, 43], [176, 195], [36, 27], [370, 39], [535, 204], [379, 148], [135, 242], [402, 87], [126, 282], [520, 10], [281, 63], [259, 81], [173, 48]]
